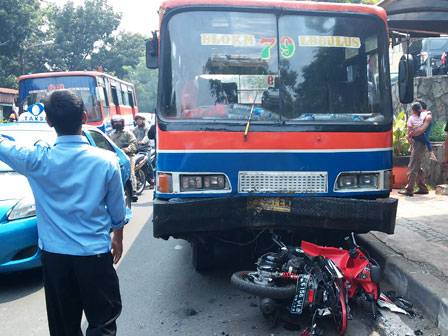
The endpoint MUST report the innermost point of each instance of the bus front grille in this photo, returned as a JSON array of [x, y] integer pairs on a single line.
[[282, 182]]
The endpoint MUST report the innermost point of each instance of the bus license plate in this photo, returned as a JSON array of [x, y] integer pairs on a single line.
[[271, 204]]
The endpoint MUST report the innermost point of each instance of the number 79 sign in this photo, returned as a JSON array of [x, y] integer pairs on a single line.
[[287, 47]]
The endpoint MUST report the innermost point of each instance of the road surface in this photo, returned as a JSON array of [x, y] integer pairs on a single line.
[[163, 295]]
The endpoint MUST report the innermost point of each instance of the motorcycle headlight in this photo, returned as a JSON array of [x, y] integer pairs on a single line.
[[23, 209]]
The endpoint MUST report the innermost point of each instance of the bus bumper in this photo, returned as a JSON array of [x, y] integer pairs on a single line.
[[180, 218]]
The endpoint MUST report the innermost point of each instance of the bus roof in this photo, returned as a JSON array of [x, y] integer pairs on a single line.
[[293, 5], [72, 73]]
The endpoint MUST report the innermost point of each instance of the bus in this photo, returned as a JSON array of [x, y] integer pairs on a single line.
[[272, 117], [103, 95]]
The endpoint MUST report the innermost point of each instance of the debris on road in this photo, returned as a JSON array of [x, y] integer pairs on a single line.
[[385, 302]]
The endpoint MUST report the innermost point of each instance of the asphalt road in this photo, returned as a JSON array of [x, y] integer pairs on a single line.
[[163, 295]]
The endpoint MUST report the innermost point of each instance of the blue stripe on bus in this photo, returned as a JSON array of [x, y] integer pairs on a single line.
[[232, 163]]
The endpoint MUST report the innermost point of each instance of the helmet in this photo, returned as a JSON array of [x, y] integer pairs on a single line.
[[139, 116], [117, 122]]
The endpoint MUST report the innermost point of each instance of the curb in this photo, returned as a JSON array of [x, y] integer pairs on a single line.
[[410, 280]]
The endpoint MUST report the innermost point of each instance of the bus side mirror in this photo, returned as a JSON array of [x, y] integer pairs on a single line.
[[406, 72], [152, 52]]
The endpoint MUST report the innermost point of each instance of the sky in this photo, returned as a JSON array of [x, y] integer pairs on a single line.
[[138, 16]]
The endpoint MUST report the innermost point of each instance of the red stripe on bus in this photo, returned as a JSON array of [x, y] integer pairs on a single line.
[[200, 140]]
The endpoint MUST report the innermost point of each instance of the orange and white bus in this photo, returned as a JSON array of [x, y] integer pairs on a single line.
[[104, 95]]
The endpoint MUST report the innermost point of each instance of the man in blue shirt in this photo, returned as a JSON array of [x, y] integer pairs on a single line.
[[79, 200]]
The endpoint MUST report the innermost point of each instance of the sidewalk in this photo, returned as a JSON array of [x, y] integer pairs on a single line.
[[415, 258]]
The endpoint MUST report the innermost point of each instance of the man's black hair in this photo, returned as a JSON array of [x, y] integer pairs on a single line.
[[416, 107], [423, 104], [65, 110]]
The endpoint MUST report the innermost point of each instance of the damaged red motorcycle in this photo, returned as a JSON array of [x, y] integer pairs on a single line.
[[317, 280]]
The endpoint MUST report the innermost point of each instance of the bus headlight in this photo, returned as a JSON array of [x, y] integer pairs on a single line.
[[355, 181], [368, 181], [203, 182], [191, 182]]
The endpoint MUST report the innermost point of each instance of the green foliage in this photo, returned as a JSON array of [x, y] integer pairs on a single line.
[[37, 38], [145, 81], [80, 31], [124, 53], [400, 142], [17, 21], [437, 131]]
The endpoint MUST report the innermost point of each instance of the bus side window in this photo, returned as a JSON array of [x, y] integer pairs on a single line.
[[124, 98], [131, 98], [106, 98], [115, 96]]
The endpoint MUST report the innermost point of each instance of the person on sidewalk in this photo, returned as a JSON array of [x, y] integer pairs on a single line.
[[418, 149], [79, 201], [415, 122]]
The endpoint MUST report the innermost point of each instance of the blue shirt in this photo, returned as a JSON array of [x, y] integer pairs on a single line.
[[78, 193]]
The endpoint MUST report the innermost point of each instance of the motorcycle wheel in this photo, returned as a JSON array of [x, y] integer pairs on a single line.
[[141, 181], [242, 281], [340, 313]]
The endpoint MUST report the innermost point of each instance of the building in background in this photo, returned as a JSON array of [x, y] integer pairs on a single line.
[[7, 98]]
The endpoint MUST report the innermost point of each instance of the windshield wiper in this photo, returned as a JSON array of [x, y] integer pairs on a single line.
[[246, 130]]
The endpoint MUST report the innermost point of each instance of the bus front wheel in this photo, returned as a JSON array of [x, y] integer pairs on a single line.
[[202, 255]]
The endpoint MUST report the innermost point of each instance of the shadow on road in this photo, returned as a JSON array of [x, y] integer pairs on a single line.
[[14, 286]]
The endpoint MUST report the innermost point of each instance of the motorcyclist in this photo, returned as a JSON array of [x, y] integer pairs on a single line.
[[141, 130], [126, 140]]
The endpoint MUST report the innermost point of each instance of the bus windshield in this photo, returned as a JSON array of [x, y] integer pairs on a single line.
[[291, 68], [34, 90]]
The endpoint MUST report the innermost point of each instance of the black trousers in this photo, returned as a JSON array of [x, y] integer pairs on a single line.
[[74, 284]]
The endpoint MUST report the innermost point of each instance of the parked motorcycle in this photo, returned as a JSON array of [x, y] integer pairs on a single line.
[[144, 169], [315, 279]]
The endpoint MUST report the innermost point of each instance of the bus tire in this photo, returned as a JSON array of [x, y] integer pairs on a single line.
[[202, 256]]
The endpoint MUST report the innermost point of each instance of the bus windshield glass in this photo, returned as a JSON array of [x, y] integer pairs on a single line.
[[291, 68], [34, 90]]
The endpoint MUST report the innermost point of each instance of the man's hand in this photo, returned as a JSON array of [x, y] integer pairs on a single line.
[[117, 245]]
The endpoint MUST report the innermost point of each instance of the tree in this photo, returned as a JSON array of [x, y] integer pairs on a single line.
[[17, 22], [123, 53], [145, 81], [79, 32]]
